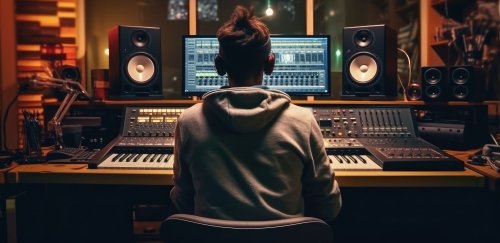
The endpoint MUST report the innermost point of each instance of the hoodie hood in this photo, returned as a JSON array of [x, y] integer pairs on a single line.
[[245, 109]]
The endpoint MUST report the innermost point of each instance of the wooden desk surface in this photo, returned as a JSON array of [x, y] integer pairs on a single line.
[[492, 177], [80, 174]]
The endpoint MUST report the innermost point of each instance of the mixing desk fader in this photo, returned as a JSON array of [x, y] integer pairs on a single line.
[[146, 140], [378, 137]]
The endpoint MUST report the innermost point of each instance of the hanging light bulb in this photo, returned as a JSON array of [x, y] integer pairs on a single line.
[[269, 11]]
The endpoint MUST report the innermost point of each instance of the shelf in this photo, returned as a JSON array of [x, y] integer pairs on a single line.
[[447, 54], [297, 102], [456, 8]]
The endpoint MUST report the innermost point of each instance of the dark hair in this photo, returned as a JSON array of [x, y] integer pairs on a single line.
[[243, 40]]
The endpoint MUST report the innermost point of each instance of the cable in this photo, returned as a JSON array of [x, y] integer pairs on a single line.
[[403, 87], [409, 71], [5, 116], [409, 64], [446, 15], [494, 139]]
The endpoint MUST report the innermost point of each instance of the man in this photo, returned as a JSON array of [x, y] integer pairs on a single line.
[[246, 152]]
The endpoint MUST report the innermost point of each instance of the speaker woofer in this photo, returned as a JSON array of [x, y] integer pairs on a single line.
[[363, 69], [460, 92], [140, 38], [68, 72], [363, 38], [141, 69], [433, 91], [414, 92], [460, 76], [433, 76]]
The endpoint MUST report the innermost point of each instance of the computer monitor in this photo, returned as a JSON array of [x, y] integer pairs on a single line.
[[302, 65]]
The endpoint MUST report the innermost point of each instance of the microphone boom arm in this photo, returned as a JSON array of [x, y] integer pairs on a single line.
[[72, 90]]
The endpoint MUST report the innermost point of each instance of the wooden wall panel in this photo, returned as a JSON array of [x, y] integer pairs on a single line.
[[38, 23]]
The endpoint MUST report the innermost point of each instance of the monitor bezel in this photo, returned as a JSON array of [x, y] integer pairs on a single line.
[[327, 75]]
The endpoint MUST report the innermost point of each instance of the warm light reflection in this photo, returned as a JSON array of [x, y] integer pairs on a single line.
[[106, 51]]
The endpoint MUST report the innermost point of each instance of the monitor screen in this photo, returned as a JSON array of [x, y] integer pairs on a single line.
[[302, 65]]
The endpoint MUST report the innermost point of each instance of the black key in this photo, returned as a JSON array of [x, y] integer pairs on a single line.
[[154, 157], [116, 157], [147, 157], [168, 158], [361, 159]]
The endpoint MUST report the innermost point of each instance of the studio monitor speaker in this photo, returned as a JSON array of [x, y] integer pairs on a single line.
[[369, 62], [135, 62], [66, 72], [454, 83], [435, 83], [466, 84]]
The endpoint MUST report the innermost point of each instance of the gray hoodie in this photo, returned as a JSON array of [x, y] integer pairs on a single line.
[[247, 153]]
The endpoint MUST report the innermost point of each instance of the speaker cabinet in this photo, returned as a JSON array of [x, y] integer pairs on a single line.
[[135, 62], [455, 83], [66, 72], [435, 83], [466, 84], [369, 62]]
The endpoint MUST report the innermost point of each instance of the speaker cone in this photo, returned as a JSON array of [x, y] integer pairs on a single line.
[[363, 69], [363, 38], [460, 91], [414, 92], [432, 76], [460, 76], [140, 38], [68, 72], [433, 91], [141, 68]]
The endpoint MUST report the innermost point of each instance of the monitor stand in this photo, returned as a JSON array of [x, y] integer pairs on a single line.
[[195, 98], [310, 98]]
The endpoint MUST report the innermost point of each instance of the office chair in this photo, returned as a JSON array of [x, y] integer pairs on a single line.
[[191, 228]]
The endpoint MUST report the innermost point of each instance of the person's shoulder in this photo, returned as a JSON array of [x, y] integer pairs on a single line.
[[192, 111], [300, 109], [302, 113]]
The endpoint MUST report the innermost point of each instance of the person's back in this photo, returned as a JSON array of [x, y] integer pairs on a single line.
[[246, 153]]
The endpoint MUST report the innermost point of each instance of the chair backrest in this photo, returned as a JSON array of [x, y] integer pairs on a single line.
[[191, 228]]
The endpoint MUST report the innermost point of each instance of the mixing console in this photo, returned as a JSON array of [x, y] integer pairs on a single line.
[[386, 135], [146, 140], [355, 138]]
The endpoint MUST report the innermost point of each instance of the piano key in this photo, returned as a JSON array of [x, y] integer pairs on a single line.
[[338, 162], [147, 158]]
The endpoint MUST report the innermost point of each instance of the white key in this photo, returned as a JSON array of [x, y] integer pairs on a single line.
[[350, 162]]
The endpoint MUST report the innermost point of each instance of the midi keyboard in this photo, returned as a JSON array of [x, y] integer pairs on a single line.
[[146, 141]]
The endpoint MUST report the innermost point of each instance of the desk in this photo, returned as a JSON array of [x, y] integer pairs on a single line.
[[492, 177], [389, 205], [80, 174]]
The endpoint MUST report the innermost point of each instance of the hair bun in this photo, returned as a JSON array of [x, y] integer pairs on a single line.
[[241, 17]]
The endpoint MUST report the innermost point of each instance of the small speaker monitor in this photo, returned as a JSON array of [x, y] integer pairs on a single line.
[[135, 63], [369, 62], [466, 84], [435, 83]]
